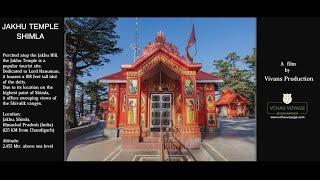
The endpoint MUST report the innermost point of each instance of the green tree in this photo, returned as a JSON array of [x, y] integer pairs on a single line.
[[80, 99], [250, 60], [88, 42], [95, 90], [239, 79]]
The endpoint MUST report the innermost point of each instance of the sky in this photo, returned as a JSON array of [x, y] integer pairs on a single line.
[[215, 38]]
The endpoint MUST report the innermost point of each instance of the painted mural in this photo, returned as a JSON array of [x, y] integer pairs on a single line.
[[210, 102], [111, 118], [188, 86], [133, 86], [211, 119], [190, 111], [132, 111], [112, 103]]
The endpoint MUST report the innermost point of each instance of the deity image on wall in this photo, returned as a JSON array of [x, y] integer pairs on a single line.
[[111, 118], [112, 103], [133, 86], [132, 111], [211, 119], [190, 111], [210, 102], [188, 84]]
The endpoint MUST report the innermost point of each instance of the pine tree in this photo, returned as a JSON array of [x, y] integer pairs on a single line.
[[94, 90], [88, 42]]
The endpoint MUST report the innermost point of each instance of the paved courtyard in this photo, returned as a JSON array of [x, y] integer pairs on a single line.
[[234, 142]]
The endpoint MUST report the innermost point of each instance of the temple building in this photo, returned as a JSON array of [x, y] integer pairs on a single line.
[[160, 89], [232, 105]]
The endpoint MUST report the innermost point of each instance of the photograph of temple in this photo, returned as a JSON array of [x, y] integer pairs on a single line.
[[160, 89]]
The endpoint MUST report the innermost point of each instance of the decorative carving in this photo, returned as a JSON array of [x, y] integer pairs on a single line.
[[142, 119], [211, 119], [160, 58], [179, 119], [152, 84], [160, 41], [143, 102], [123, 102], [179, 104], [198, 102]]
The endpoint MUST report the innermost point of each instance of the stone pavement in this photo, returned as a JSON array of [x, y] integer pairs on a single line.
[[154, 155], [92, 146], [234, 142]]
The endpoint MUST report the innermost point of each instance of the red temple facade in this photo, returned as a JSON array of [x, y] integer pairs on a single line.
[[160, 89], [232, 105]]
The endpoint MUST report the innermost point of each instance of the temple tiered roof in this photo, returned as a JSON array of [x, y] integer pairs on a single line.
[[160, 45]]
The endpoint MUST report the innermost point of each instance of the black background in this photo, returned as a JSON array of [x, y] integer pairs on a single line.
[[50, 111], [298, 40]]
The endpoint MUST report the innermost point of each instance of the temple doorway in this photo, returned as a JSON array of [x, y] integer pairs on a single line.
[[160, 110]]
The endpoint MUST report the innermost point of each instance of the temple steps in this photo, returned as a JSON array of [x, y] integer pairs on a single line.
[[150, 139], [149, 145]]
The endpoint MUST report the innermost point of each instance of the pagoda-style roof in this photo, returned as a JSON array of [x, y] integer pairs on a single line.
[[228, 97], [160, 47]]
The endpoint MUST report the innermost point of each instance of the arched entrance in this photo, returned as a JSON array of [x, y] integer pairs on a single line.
[[162, 88]]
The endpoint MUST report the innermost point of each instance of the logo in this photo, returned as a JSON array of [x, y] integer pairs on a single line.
[[287, 109], [287, 99]]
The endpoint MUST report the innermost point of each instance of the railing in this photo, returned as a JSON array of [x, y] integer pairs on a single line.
[[175, 149]]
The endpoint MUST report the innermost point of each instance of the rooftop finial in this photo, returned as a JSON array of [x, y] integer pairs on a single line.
[[160, 37]]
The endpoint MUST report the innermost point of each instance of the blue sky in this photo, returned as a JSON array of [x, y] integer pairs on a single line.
[[216, 37]]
